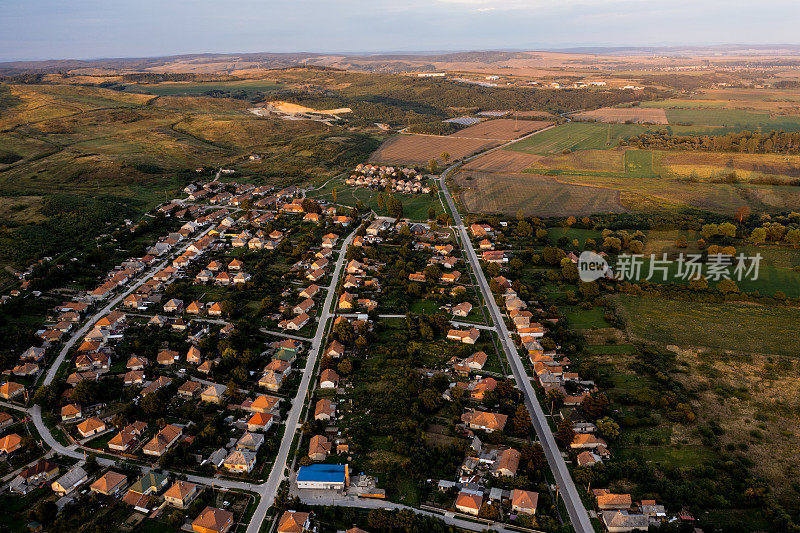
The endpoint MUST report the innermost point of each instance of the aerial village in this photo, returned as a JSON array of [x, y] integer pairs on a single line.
[[167, 388]]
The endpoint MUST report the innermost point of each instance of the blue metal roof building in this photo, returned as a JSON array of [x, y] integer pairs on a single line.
[[323, 476]]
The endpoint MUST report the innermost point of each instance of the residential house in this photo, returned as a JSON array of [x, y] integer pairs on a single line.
[[318, 448], [190, 389], [90, 427], [74, 478], [294, 522], [213, 520], [10, 443], [71, 411], [617, 521], [110, 483], [507, 463], [469, 336], [469, 503], [213, 393], [10, 390], [264, 404], [324, 410], [486, 421], [524, 501], [328, 379], [607, 500], [181, 494], [240, 461], [260, 422], [165, 438], [462, 309]]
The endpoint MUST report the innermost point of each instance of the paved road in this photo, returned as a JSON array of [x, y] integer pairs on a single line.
[[448, 517], [270, 488], [51, 373], [572, 501]]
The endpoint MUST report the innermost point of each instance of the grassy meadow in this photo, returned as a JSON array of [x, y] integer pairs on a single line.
[[735, 326]]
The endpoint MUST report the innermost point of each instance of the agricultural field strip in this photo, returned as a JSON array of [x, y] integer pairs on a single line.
[[577, 512]]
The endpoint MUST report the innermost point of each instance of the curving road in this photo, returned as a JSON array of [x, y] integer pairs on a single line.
[[577, 512]]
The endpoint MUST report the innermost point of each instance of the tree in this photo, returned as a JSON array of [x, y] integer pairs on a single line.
[[607, 428], [727, 286], [431, 213], [430, 400], [595, 405], [554, 398], [152, 404], [758, 235], [565, 434], [522, 421], [345, 367], [47, 396], [334, 195], [445, 157], [433, 166]]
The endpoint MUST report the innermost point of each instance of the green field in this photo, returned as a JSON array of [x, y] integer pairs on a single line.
[[585, 318], [733, 326], [776, 272], [732, 118], [577, 136]]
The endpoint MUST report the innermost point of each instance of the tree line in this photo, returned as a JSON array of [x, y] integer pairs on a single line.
[[746, 142]]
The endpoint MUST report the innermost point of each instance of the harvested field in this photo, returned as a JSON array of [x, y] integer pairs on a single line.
[[586, 160], [626, 114], [707, 164], [419, 149], [502, 161], [502, 129], [533, 195]]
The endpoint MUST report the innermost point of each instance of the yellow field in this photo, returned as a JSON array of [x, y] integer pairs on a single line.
[[626, 114]]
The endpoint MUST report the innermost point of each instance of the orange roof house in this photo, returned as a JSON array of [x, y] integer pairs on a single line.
[[293, 522], [524, 501], [10, 443], [483, 420], [318, 448], [10, 389], [328, 379], [609, 500], [90, 427], [264, 403], [507, 463], [213, 520], [110, 483], [324, 410], [469, 503]]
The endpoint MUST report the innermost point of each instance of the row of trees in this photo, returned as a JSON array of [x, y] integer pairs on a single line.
[[743, 142]]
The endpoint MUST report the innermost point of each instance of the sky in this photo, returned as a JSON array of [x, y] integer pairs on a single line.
[[87, 29]]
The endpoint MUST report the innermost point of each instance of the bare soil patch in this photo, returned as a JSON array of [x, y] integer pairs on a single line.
[[503, 129], [419, 149]]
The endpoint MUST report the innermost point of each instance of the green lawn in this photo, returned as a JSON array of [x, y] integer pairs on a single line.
[[415, 206], [577, 136], [734, 326], [585, 318]]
